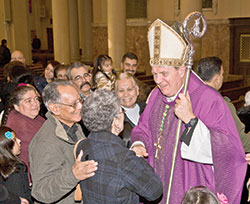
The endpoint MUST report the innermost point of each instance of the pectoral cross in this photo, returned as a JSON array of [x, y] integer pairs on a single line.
[[158, 147]]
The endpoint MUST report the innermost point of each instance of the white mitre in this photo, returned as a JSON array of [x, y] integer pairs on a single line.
[[166, 46]]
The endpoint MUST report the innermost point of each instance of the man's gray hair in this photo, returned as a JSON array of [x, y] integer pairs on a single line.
[[76, 65], [125, 75], [100, 109], [51, 93], [247, 98]]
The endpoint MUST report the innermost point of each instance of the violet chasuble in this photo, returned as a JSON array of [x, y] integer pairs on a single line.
[[227, 173]]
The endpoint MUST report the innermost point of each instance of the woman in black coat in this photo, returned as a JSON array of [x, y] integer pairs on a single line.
[[13, 171]]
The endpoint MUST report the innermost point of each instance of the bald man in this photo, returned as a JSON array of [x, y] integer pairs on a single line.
[[17, 56]]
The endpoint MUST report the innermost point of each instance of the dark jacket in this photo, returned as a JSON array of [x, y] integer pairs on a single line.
[[40, 83], [7, 197], [244, 115], [5, 89], [5, 55], [121, 176], [18, 183], [125, 135]]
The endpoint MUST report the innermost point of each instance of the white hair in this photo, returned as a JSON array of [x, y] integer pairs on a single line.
[[247, 98]]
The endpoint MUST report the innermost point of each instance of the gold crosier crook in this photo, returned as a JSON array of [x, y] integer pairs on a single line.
[[188, 32]]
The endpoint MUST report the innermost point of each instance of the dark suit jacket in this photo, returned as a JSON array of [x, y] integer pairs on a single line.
[[125, 135], [244, 115]]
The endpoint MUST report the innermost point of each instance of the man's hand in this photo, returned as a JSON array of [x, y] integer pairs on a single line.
[[140, 151], [83, 170], [183, 108]]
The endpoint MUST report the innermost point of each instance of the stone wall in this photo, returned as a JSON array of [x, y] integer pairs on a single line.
[[100, 41], [215, 42], [136, 42]]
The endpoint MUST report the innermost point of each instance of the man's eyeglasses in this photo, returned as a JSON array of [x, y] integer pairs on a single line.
[[80, 77], [73, 105]]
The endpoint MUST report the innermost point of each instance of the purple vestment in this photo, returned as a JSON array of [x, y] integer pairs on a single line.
[[228, 155]]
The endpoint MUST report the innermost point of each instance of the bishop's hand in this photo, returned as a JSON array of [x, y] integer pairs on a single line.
[[183, 108], [140, 151]]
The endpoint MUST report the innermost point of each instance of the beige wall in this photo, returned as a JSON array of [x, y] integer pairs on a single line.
[[215, 41], [230, 9], [161, 9]]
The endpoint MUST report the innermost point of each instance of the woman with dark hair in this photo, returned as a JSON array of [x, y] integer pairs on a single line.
[[120, 171], [22, 116], [14, 73], [41, 82], [103, 74], [60, 72], [202, 195], [13, 171]]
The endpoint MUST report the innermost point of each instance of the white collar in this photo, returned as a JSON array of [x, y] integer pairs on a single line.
[[172, 98]]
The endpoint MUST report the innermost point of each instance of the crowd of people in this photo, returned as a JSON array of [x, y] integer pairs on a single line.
[[93, 135]]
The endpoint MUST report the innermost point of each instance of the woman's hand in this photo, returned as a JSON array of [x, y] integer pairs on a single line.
[[248, 188]]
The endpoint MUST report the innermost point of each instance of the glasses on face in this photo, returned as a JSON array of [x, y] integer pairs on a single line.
[[80, 77], [73, 105]]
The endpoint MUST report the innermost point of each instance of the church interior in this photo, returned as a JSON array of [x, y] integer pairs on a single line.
[[80, 30]]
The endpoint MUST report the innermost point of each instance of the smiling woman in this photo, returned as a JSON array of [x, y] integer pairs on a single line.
[[24, 106], [127, 92]]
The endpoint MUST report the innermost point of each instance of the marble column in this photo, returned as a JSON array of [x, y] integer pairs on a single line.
[[86, 34], [5, 22], [74, 31], [116, 11], [61, 35], [20, 28]]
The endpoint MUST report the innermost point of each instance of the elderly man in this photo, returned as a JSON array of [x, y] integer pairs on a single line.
[[210, 70], [129, 64], [17, 56], [53, 170], [127, 91], [211, 153], [79, 74]]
